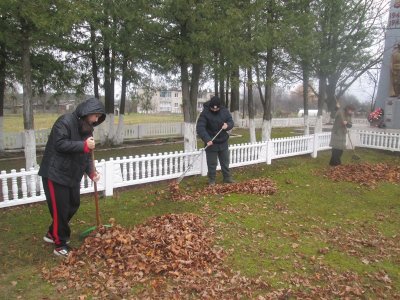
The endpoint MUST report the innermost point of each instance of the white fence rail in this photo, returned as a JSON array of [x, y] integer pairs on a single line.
[[15, 140], [25, 187]]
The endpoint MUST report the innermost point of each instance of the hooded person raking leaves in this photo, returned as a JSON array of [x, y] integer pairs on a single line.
[[66, 158], [212, 119]]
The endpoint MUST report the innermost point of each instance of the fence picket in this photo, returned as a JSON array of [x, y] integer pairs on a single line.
[[27, 187]]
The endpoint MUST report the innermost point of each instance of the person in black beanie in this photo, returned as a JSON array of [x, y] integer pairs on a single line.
[[212, 119]]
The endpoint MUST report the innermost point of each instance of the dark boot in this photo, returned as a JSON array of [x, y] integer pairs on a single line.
[[211, 181], [229, 180]]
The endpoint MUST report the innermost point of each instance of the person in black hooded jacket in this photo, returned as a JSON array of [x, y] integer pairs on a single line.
[[213, 118], [65, 160]]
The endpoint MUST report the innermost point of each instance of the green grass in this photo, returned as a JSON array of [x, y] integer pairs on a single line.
[[15, 123], [269, 237]]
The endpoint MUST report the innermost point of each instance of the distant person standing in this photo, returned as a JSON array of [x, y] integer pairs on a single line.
[[212, 119], [66, 158], [339, 130]]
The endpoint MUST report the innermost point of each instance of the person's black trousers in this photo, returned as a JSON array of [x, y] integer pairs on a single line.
[[336, 157], [213, 154], [63, 203]]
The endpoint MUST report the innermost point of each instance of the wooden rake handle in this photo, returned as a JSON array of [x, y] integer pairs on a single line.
[[96, 196]]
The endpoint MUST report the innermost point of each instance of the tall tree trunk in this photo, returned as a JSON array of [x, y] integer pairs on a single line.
[[221, 79], [250, 103], [306, 79], [235, 94], [190, 90], [93, 57], [3, 60], [105, 137], [29, 132], [244, 94], [119, 136], [321, 101], [267, 115], [110, 113], [216, 73], [227, 92], [221, 89], [331, 97]]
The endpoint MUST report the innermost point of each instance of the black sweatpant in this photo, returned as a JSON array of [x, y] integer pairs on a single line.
[[63, 203], [336, 157], [220, 152]]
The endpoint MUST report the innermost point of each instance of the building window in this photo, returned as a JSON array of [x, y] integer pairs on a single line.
[[176, 95], [165, 94], [176, 104]]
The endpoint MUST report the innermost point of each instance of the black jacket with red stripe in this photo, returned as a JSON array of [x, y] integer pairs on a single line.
[[64, 160]]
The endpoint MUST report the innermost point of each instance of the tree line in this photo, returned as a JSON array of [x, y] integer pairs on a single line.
[[75, 46]]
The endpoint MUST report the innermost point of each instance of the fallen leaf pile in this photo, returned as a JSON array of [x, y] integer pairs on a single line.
[[366, 243], [170, 256], [325, 283], [263, 186], [365, 174]]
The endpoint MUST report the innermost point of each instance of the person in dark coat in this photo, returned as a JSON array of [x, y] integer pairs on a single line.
[[66, 158], [213, 118], [339, 131]]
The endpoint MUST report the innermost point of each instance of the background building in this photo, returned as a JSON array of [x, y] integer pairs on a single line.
[[166, 100]]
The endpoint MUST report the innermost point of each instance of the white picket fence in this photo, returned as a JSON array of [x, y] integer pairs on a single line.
[[23, 187], [15, 140]]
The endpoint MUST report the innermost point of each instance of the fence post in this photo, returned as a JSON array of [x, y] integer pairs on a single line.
[[204, 168], [270, 151], [140, 131], [262, 156], [315, 145], [109, 174], [21, 140]]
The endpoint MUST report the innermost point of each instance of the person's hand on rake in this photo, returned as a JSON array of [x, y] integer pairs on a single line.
[[96, 177], [91, 144]]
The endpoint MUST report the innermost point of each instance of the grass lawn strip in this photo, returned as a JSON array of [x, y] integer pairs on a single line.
[[314, 237]]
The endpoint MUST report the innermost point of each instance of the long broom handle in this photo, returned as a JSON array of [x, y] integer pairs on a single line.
[[348, 134], [96, 196], [347, 131], [195, 159]]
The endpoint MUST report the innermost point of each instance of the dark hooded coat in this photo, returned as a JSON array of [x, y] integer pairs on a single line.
[[209, 123], [64, 160], [339, 130]]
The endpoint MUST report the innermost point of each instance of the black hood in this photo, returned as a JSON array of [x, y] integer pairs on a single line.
[[91, 106], [207, 105]]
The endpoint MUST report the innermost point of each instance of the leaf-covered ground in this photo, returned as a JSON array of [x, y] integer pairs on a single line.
[[365, 174], [172, 256], [314, 238], [263, 186]]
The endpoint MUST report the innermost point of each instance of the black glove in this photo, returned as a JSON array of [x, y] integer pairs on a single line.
[[349, 125]]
